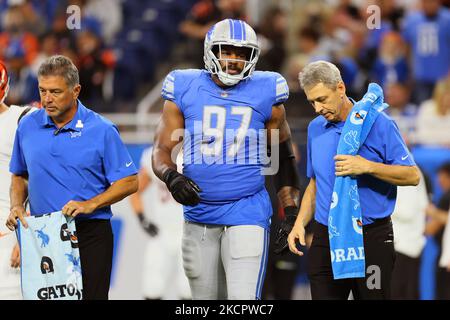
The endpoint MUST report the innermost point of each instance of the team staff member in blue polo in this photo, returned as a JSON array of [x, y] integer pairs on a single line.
[[383, 163], [73, 160]]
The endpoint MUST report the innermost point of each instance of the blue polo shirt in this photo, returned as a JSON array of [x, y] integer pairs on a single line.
[[77, 162], [383, 144]]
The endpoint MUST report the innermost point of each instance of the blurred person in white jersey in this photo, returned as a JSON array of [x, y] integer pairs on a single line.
[[9, 248], [161, 217], [408, 220]]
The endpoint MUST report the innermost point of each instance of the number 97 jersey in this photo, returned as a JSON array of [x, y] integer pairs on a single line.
[[225, 143]]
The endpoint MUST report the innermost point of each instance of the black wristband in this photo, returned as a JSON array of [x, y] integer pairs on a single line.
[[287, 175], [286, 151], [168, 175]]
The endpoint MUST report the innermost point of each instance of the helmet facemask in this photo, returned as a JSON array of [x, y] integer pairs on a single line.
[[215, 67]]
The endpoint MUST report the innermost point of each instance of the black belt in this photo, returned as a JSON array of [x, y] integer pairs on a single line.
[[378, 222], [375, 223]]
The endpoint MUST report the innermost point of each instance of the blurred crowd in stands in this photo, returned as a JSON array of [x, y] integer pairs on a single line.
[[116, 48], [120, 45]]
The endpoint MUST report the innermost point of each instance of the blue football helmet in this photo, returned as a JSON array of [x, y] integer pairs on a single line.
[[232, 33]]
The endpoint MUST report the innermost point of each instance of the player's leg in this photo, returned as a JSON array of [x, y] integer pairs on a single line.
[[155, 271], [9, 277], [202, 262], [95, 240], [320, 272], [244, 256]]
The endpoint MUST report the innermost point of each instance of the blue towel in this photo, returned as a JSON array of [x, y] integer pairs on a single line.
[[345, 221], [50, 259]]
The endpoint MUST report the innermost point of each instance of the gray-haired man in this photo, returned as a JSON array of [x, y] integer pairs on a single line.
[[382, 162]]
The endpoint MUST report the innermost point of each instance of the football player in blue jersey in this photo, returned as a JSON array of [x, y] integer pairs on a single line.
[[226, 114]]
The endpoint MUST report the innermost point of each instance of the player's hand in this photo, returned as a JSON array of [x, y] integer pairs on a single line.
[[347, 165], [297, 234], [74, 208], [431, 211], [285, 228], [183, 189], [17, 212], [15, 256], [148, 226]]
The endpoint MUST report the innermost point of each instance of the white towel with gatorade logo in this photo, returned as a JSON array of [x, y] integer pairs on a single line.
[[50, 259]]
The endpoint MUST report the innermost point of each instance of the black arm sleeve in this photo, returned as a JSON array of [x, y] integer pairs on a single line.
[[287, 174]]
